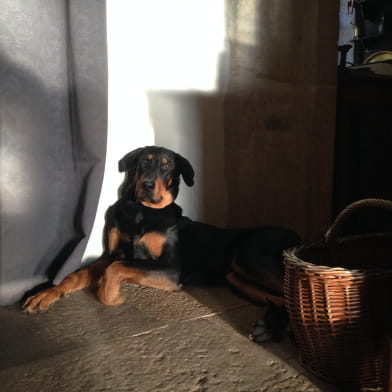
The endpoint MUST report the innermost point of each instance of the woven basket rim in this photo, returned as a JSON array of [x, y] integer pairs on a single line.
[[291, 256]]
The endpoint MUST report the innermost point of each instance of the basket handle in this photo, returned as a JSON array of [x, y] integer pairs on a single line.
[[332, 233]]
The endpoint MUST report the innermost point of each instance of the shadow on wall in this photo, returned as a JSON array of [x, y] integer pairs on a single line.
[[252, 141], [280, 113], [192, 123]]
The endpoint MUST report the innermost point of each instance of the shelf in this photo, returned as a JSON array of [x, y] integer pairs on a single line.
[[372, 37]]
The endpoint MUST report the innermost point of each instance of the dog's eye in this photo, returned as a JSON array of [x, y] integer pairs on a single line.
[[145, 163], [166, 166]]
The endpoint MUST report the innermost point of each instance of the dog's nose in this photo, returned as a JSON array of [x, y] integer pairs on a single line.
[[148, 185]]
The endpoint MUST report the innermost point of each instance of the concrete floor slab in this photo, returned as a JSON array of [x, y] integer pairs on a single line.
[[192, 340]]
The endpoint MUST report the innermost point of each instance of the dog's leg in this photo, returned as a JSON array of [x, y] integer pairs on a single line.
[[253, 292], [73, 282], [120, 271], [272, 325]]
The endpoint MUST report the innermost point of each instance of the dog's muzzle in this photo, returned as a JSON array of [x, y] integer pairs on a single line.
[[147, 191], [148, 185]]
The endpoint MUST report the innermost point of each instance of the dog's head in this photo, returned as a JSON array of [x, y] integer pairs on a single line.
[[153, 175]]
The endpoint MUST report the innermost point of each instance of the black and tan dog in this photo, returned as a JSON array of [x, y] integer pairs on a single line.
[[149, 242]]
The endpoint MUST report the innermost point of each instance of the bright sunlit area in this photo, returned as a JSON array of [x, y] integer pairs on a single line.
[[172, 46]]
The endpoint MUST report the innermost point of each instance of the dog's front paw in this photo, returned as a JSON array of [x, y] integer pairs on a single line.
[[260, 333], [42, 300]]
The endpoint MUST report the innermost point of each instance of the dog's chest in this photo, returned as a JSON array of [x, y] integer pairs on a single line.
[[151, 245], [147, 233]]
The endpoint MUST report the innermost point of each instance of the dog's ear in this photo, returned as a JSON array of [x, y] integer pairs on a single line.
[[128, 164], [184, 168], [129, 161]]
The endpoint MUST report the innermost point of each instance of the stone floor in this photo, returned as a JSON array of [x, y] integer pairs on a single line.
[[193, 340]]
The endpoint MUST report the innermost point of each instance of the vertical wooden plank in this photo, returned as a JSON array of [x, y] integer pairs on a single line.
[[321, 140], [279, 113]]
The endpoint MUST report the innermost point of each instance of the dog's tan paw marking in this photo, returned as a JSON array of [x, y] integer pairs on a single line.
[[42, 300]]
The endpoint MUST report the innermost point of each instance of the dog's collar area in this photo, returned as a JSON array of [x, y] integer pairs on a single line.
[[170, 214], [142, 203], [168, 207]]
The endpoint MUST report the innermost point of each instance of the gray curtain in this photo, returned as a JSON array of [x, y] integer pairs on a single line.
[[53, 117]]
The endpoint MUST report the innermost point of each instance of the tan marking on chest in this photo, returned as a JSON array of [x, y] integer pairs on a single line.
[[153, 242]]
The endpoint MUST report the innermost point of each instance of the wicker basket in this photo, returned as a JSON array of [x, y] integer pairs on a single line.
[[339, 297]]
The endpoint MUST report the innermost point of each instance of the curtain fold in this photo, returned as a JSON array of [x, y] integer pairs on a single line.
[[53, 117]]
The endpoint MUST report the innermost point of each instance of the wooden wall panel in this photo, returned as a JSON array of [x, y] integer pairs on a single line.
[[280, 113]]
